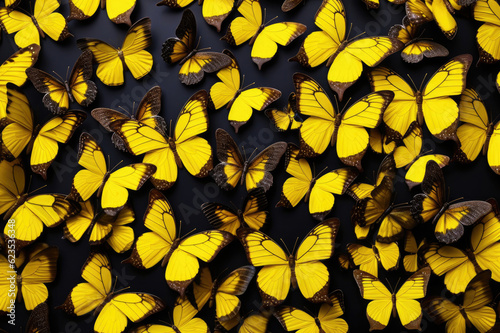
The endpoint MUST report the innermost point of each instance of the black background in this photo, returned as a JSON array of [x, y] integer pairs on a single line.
[[474, 181]]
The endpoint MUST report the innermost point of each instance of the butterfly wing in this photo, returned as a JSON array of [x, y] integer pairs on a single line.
[[443, 17], [193, 69], [215, 12], [110, 68], [38, 321], [259, 169], [176, 49], [265, 45], [286, 119], [493, 153], [255, 211], [329, 313], [368, 211], [194, 152], [352, 137], [57, 130], [487, 11], [14, 21], [12, 186], [82, 9], [227, 304], [317, 130], [56, 98], [415, 174], [274, 278], [77, 225], [136, 58], [319, 46], [229, 171], [347, 66], [120, 236], [221, 93], [51, 22], [120, 11], [221, 217], [293, 319], [244, 28], [82, 88], [427, 204]]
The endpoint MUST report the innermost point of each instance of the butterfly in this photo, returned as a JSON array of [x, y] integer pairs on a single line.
[[378, 208], [59, 93], [374, 4], [460, 265], [449, 218], [181, 49], [183, 321], [29, 27], [327, 320], [378, 142], [487, 11], [415, 48], [112, 308], [369, 258], [146, 113], [13, 70], [474, 310], [302, 269], [18, 131], [286, 119], [441, 11], [383, 302], [38, 321], [132, 54], [102, 228], [182, 148], [324, 126], [318, 190], [254, 213], [254, 172], [263, 38], [410, 156], [110, 185], [255, 323], [239, 101], [12, 185], [477, 133], [412, 261], [433, 103], [179, 254], [118, 11], [33, 268]]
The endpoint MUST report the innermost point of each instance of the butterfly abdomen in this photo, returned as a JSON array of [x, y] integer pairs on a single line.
[[68, 90], [174, 246], [256, 35], [441, 212], [318, 323], [311, 185], [244, 172], [489, 132], [35, 22], [171, 144], [419, 100], [104, 180], [291, 263], [394, 310], [472, 258], [333, 56]]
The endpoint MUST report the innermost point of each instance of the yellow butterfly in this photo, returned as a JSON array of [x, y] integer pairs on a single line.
[[324, 126], [98, 295], [179, 254], [29, 27], [460, 266], [13, 70], [374, 4], [12, 185], [132, 54], [383, 302], [32, 269], [441, 11], [303, 269], [110, 185], [118, 11], [102, 227], [239, 101], [474, 311], [181, 49], [59, 94], [412, 261], [410, 156], [19, 132], [263, 38], [286, 119], [293, 319], [183, 321], [369, 258], [255, 323], [233, 168], [182, 148], [477, 133], [318, 190], [487, 11], [449, 218], [415, 48], [378, 142], [254, 213], [432, 103], [146, 113]]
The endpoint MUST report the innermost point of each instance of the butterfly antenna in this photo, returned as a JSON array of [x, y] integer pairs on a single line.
[[349, 32], [170, 128], [455, 200], [319, 173], [109, 161], [422, 83], [250, 158], [126, 111], [59, 76], [390, 286], [29, 184], [234, 206], [67, 73], [337, 102], [345, 106], [265, 15], [412, 82], [286, 247], [397, 283], [114, 285], [274, 18], [359, 35], [199, 41], [247, 86], [188, 233], [119, 291], [244, 152], [295, 245], [38, 189], [116, 166]]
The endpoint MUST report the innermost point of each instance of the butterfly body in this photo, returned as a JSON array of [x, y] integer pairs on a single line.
[[175, 245]]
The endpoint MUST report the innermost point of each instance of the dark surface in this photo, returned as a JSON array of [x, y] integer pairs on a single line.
[[474, 181]]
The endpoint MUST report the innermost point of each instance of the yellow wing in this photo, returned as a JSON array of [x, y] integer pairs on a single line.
[[244, 28], [255, 323], [274, 278], [317, 130], [487, 11], [82, 9], [183, 264], [426, 205], [215, 12], [493, 153], [151, 247], [347, 65], [329, 313], [12, 186], [48, 22], [229, 171], [222, 93], [412, 261], [132, 54], [443, 16], [119, 11], [378, 141], [57, 130], [227, 304], [415, 174], [286, 119], [36, 212], [351, 137], [319, 46], [17, 125], [266, 43], [259, 170], [293, 319], [15, 66]]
